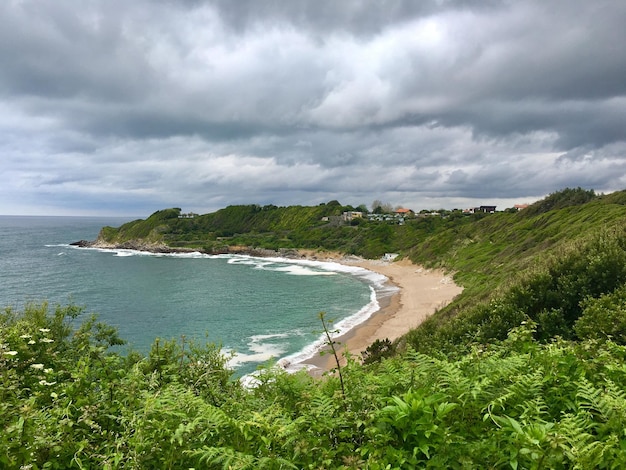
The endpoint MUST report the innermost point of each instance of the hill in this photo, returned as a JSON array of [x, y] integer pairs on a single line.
[[524, 370]]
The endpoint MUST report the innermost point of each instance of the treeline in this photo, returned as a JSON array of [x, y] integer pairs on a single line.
[[275, 228], [313, 227]]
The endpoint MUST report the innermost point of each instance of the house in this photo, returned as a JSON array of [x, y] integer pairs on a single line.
[[404, 212], [481, 209], [519, 207], [350, 215]]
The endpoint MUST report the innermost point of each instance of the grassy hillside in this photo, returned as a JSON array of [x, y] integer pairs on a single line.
[[541, 265]]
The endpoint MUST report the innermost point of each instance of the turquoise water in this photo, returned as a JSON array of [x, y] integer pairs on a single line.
[[261, 308]]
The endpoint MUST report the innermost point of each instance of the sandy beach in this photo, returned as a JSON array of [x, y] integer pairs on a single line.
[[421, 292]]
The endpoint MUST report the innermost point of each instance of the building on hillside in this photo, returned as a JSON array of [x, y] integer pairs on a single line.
[[351, 215], [480, 210], [519, 207], [404, 212]]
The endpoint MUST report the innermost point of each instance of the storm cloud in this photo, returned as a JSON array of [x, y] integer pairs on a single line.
[[123, 108]]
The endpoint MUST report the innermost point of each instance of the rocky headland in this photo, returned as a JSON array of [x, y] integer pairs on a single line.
[[160, 247]]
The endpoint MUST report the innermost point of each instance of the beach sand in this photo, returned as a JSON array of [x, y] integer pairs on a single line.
[[421, 292]]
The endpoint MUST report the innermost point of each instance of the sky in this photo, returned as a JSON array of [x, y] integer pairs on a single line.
[[123, 107]]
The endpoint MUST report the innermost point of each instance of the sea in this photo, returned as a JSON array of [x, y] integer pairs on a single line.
[[260, 309]]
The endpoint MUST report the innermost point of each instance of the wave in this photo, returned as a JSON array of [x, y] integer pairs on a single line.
[[284, 265], [261, 350]]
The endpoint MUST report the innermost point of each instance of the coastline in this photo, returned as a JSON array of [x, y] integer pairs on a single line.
[[420, 293]]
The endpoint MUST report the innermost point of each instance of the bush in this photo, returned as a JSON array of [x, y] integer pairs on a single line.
[[604, 318], [378, 350]]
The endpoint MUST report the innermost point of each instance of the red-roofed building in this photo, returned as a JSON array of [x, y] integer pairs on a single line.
[[405, 212]]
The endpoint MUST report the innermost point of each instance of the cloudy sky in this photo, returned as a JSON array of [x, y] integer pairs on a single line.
[[123, 107]]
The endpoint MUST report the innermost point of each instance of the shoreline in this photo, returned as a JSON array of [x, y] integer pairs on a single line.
[[420, 293]]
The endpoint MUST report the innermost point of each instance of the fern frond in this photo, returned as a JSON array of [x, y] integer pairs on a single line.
[[593, 400], [230, 459]]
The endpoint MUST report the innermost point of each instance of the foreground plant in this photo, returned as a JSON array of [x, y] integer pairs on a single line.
[[69, 401]]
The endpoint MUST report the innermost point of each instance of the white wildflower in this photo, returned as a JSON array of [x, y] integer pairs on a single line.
[[54, 395], [25, 336], [37, 366], [45, 382], [32, 341], [46, 340], [10, 353], [44, 330], [47, 371]]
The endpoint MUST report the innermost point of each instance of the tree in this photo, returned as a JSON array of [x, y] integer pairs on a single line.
[[379, 207]]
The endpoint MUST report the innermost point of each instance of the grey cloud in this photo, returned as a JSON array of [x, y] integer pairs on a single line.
[[326, 17], [205, 103]]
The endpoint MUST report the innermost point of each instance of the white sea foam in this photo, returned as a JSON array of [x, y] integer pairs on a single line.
[[297, 270], [261, 349], [284, 265]]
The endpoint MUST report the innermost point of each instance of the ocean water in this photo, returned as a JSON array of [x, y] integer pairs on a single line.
[[260, 308]]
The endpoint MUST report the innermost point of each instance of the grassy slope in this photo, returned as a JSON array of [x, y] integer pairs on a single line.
[[530, 265]]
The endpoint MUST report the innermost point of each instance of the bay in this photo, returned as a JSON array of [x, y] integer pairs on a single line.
[[260, 308]]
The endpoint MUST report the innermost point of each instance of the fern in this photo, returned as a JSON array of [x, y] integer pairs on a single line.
[[594, 401]]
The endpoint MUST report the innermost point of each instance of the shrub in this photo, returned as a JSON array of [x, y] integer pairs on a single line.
[[604, 317], [378, 350]]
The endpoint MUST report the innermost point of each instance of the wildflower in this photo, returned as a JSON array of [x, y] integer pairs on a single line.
[[25, 336], [37, 366], [47, 371], [44, 330], [32, 341], [10, 353], [46, 340], [45, 382]]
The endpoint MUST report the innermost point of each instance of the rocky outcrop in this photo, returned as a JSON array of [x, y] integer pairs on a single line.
[[139, 245], [151, 247]]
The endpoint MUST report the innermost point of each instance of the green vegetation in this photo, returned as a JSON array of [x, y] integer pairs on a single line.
[[525, 369], [67, 401]]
